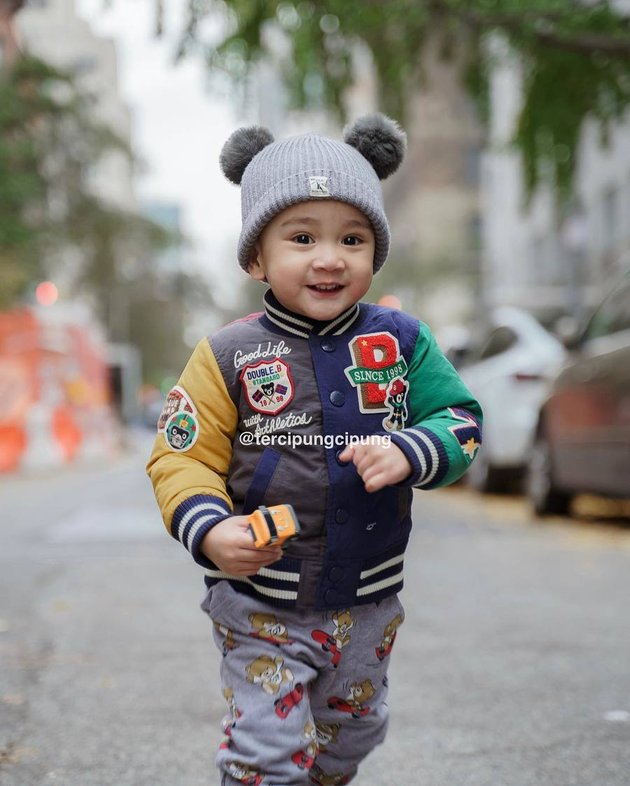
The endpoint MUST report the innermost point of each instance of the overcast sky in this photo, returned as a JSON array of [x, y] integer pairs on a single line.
[[178, 127]]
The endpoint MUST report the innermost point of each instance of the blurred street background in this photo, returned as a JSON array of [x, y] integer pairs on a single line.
[[511, 239]]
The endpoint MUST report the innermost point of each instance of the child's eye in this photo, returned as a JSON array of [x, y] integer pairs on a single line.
[[302, 238], [352, 240]]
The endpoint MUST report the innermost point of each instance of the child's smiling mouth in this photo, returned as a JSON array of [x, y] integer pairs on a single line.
[[325, 288]]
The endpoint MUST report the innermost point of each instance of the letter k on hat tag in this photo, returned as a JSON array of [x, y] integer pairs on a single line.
[[319, 186]]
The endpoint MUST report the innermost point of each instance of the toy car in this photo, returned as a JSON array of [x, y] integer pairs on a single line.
[[273, 525]]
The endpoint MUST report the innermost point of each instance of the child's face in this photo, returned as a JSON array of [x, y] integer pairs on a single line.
[[317, 256]]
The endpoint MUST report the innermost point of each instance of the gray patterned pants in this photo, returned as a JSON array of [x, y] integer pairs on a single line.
[[306, 690]]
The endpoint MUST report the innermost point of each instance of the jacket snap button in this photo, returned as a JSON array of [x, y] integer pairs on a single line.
[[328, 346], [336, 573], [330, 596], [337, 398], [341, 515]]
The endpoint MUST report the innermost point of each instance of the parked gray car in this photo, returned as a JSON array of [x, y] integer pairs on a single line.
[[582, 441]]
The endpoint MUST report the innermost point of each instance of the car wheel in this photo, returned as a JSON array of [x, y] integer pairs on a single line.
[[544, 497], [482, 476]]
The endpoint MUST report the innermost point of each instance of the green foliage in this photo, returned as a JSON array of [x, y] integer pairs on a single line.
[[563, 88], [49, 143], [22, 183], [575, 56]]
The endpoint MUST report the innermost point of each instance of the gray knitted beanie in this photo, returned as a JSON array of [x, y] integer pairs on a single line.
[[274, 175]]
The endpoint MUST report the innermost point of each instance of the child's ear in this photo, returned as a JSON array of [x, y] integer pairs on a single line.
[[255, 268]]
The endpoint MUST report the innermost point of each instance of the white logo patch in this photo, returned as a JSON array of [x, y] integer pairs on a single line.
[[319, 186], [268, 386]]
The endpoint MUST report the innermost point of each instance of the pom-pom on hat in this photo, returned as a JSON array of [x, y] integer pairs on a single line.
[[275, 175]]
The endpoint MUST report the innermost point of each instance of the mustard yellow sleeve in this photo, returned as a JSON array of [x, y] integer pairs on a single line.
[[191, 455]]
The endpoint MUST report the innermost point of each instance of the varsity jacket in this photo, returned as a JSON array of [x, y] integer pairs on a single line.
[[261, 414]]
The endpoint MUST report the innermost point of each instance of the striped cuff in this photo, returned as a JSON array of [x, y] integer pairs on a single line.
[[381, 579], [426, 454], [276, 584], [192, 521]]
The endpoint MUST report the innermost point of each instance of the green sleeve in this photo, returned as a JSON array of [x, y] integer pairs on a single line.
[[442, 431]]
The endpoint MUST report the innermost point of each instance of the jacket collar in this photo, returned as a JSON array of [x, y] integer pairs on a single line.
[[302, 326]]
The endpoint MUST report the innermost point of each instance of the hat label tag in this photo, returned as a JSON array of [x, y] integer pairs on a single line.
[[319, 186]]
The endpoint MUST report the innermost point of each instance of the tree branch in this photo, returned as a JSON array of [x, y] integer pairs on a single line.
[[585, 44], [532, 23]]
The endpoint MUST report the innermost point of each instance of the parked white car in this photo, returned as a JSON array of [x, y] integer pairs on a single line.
[[508, 367]]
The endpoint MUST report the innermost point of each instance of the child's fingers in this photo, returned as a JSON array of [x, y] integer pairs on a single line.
[[347, 454], [271, 552], [379, 469], [367, 459], [374, 477], [246, 562], [260, 556], [364, 461]]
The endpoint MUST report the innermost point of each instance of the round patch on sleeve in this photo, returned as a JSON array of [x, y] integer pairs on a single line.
[[177, 401], [181, 431]]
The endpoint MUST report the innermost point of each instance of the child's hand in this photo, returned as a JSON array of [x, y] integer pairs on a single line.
[[230, 545], [378, 465]]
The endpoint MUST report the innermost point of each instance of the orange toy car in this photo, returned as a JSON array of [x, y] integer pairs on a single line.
[[273, 525]]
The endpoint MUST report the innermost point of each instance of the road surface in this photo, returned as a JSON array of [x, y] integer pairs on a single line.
[[512, 667]]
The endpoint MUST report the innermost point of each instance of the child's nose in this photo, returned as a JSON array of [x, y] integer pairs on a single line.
[[328, 257]]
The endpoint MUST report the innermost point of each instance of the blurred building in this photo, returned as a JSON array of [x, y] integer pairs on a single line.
[[9, 48], [52, 31], [435, 210], [169, 216], [534, 258]]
